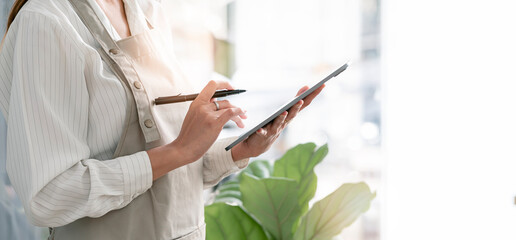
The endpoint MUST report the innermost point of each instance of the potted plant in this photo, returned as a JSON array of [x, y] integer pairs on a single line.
[[271, 202]]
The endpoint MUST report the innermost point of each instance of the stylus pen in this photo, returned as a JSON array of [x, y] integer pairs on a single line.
[[191, 97]]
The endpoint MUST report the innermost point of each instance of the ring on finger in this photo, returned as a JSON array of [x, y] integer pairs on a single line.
[[216, 105]]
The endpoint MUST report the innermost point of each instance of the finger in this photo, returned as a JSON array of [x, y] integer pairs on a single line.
[[238, 121], [207, 92], [293, 111], [227, 114], [308, 99], [278, 122], [261, 132], [302, 90], [223, 104]]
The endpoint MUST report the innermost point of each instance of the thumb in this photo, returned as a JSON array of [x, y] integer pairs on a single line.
[[207, 92]]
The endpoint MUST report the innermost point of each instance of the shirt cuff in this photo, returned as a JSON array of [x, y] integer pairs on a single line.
[[242, 163], [218, 163], [137, 172], [218, 153]]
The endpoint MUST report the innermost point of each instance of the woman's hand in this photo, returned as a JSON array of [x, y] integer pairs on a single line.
[[262, 140], [203, 122], [201, 127]]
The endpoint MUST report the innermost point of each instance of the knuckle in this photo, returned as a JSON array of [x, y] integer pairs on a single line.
[[227, 114], [206, 107]]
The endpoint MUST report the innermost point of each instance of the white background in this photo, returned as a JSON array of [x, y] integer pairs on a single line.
[[450, 123]]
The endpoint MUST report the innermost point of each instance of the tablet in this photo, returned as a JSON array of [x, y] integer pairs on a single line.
[[286, 107]]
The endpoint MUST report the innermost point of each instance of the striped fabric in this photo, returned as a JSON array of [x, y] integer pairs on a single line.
[[64, 109]]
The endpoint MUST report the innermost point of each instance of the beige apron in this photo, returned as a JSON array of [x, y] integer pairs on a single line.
[[145, 64]]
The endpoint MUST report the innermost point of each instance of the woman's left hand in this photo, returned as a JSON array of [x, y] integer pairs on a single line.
[[261, 140]]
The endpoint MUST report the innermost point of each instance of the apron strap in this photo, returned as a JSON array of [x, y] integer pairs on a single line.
[[121, 67]]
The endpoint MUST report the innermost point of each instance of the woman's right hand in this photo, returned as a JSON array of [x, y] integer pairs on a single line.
[[201, 127], [203, 122]]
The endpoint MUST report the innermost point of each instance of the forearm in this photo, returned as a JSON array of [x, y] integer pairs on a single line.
[[166, 158]]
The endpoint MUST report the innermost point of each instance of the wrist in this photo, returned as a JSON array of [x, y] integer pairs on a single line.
[[179, 151], [238, 153], [160, 158]]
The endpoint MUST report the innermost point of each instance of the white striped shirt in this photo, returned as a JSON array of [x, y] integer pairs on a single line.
[[64, 110]]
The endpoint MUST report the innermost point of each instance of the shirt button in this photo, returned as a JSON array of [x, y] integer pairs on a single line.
[[137, 85], [114, 51], [149, 123]]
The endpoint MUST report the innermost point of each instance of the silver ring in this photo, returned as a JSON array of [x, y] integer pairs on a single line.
[[217, 105]]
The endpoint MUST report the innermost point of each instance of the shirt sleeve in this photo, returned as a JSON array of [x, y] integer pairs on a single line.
[[48, 156], [218, 163]]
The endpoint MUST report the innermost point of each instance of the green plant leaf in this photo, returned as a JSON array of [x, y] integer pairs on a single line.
[[273, 201], [336, 211], [226, 222], [258, 168], [229, 192], [298, 164]]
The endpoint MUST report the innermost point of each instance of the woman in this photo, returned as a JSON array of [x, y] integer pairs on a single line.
[[88, 153]]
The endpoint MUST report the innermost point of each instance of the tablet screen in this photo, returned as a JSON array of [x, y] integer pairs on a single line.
[[286, 107]]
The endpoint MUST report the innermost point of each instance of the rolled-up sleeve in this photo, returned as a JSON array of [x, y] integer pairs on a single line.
[[218, 163], [48, 156]]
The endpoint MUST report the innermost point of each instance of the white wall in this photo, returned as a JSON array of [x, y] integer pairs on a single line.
[[281, 43], [450, 119]]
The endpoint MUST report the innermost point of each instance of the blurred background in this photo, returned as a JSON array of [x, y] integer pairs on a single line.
[[273, 48], [424, 115]]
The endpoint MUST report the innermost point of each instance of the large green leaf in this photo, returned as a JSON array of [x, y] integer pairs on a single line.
[[336, 211], [273, 201], [229, 191], [226, 222], [258, 168], [298, 164]]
